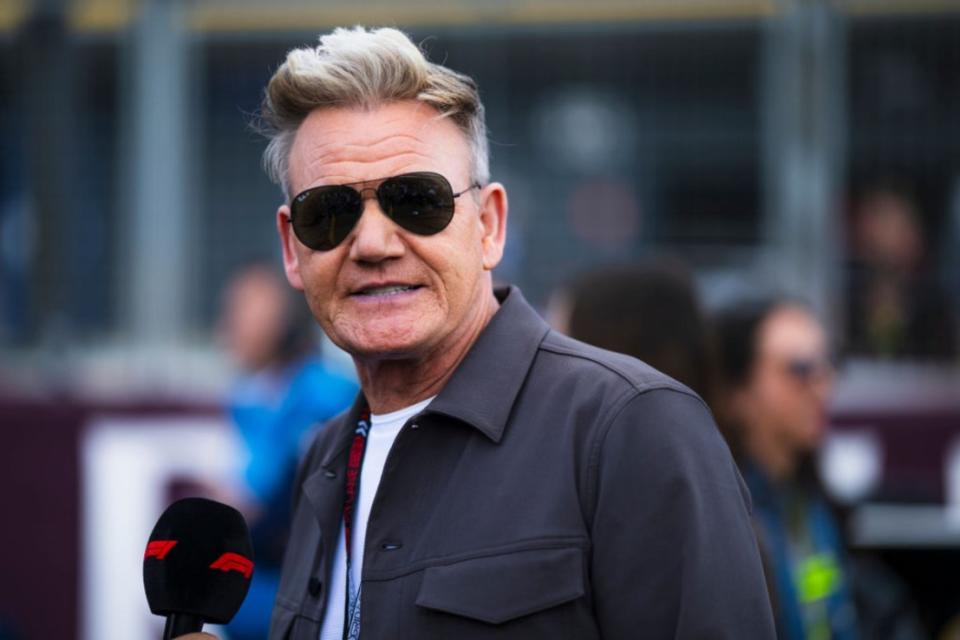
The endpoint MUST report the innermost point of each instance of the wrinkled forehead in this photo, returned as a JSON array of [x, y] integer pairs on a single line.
[[349, 145]]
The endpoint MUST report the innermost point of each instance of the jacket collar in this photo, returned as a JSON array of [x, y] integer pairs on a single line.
[[482, 390]]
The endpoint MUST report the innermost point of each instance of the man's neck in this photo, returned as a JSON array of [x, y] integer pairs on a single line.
[[392, 384]]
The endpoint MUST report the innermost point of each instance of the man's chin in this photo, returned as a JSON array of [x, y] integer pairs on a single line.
[[386, 348], [386, 332]]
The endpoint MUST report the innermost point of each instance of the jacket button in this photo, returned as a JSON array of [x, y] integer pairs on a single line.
[[314, 587], [330, 474], [414, 426], [391, 546]]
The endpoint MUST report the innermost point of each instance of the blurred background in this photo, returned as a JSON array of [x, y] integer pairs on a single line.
[[809, 147]]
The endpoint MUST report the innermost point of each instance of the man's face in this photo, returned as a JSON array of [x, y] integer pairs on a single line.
[[352, 289]]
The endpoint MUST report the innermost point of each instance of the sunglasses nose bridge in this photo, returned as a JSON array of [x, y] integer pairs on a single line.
[[370, 193], [374, 236], [367, 193]]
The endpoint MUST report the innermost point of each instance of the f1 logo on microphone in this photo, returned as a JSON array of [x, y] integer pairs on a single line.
[[159, 549], [234, 562]]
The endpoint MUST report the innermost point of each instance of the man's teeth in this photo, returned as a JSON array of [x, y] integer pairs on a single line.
[[386, 291]]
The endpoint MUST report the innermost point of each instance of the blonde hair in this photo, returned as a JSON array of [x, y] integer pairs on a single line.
[[365, 68]]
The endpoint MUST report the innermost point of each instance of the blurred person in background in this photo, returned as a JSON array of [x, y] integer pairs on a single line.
[[649, 311], [774, 380], [895, 307], [282, 392]]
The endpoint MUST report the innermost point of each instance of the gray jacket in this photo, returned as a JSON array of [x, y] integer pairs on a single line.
[[551, 490]]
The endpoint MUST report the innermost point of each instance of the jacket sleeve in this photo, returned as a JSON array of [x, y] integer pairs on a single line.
[[673, 552]]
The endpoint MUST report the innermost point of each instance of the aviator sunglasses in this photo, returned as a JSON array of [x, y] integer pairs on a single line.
[[421, 203]]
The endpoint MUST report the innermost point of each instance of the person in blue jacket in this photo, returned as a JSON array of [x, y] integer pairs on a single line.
[[283, 392], [775, 377]]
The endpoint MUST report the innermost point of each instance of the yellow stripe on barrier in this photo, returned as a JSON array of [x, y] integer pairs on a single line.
[[862, 8], [12, 14], [225, 16], [101, 15]]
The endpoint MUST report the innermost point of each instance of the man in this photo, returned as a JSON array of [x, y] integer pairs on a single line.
[[494, 479]]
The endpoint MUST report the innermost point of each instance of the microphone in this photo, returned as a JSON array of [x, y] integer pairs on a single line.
[[197, 565]]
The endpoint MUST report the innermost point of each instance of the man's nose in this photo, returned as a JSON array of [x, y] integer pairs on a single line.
[[376, 237]]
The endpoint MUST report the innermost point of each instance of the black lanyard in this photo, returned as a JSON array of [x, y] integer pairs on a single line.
[[351, 617]]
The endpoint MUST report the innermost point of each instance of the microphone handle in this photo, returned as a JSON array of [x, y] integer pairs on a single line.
[[179, 624]]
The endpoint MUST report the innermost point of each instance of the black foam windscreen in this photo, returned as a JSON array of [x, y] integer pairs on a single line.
[[198, 561]]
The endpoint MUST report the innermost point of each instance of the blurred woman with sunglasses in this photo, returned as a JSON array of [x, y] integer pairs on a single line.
[[775, 378]]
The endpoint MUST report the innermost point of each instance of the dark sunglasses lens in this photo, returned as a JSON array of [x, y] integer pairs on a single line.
[[806, 370], [421, 203], [324, 216], [802, 370]]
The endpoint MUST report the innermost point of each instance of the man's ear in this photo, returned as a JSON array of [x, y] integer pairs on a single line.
[[289, 245], [493, 218]]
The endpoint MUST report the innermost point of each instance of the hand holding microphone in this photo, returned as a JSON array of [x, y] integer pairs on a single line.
[[197, 566]]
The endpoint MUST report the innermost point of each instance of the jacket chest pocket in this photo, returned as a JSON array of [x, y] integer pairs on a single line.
[[499, 588]]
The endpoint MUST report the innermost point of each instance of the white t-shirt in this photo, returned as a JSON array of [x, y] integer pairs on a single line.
[[383, 431]]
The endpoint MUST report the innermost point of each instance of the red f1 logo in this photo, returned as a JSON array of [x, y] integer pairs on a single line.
[[159, 549], [234, 562]]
